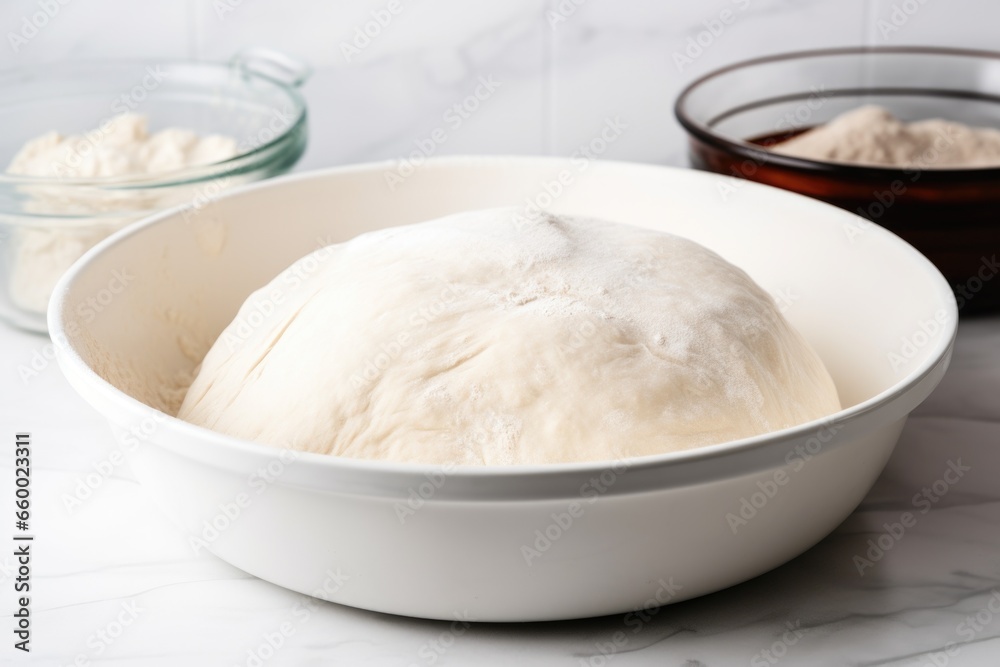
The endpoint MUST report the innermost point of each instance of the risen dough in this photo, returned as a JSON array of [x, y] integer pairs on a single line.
[[474, 340]]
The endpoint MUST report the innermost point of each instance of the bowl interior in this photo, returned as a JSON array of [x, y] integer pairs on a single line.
[[874, 308]]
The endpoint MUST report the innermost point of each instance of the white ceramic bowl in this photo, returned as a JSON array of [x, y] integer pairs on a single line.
[[520, 543]]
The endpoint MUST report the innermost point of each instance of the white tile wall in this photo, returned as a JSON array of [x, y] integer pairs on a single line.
[[72, 29], [564, 66], [970, 24], [632, 58]]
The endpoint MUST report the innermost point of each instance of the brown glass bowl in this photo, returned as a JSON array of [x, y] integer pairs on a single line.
[[951, 215]]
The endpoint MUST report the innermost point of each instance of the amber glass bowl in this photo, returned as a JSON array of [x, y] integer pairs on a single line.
[[951, 215]]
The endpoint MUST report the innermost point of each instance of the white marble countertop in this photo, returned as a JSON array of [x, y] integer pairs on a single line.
[[115, 583]]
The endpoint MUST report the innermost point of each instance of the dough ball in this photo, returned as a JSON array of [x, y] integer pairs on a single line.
[[477, 340]]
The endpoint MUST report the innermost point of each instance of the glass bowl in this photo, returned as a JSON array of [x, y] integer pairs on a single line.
[[48, 223], [733, 114]]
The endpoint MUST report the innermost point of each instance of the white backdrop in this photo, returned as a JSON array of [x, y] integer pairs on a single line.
[[564, 66]]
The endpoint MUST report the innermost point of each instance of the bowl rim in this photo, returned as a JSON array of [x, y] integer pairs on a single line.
[[745, 149], [658, 471], [194, 174]]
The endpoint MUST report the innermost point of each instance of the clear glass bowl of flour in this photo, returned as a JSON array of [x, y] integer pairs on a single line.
[[48, 222], [735, 114]]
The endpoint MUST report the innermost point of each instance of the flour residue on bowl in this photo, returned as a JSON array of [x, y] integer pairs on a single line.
[[161, 390]]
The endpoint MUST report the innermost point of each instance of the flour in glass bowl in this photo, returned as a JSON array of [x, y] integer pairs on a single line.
[[873, 136], [124, 147]]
